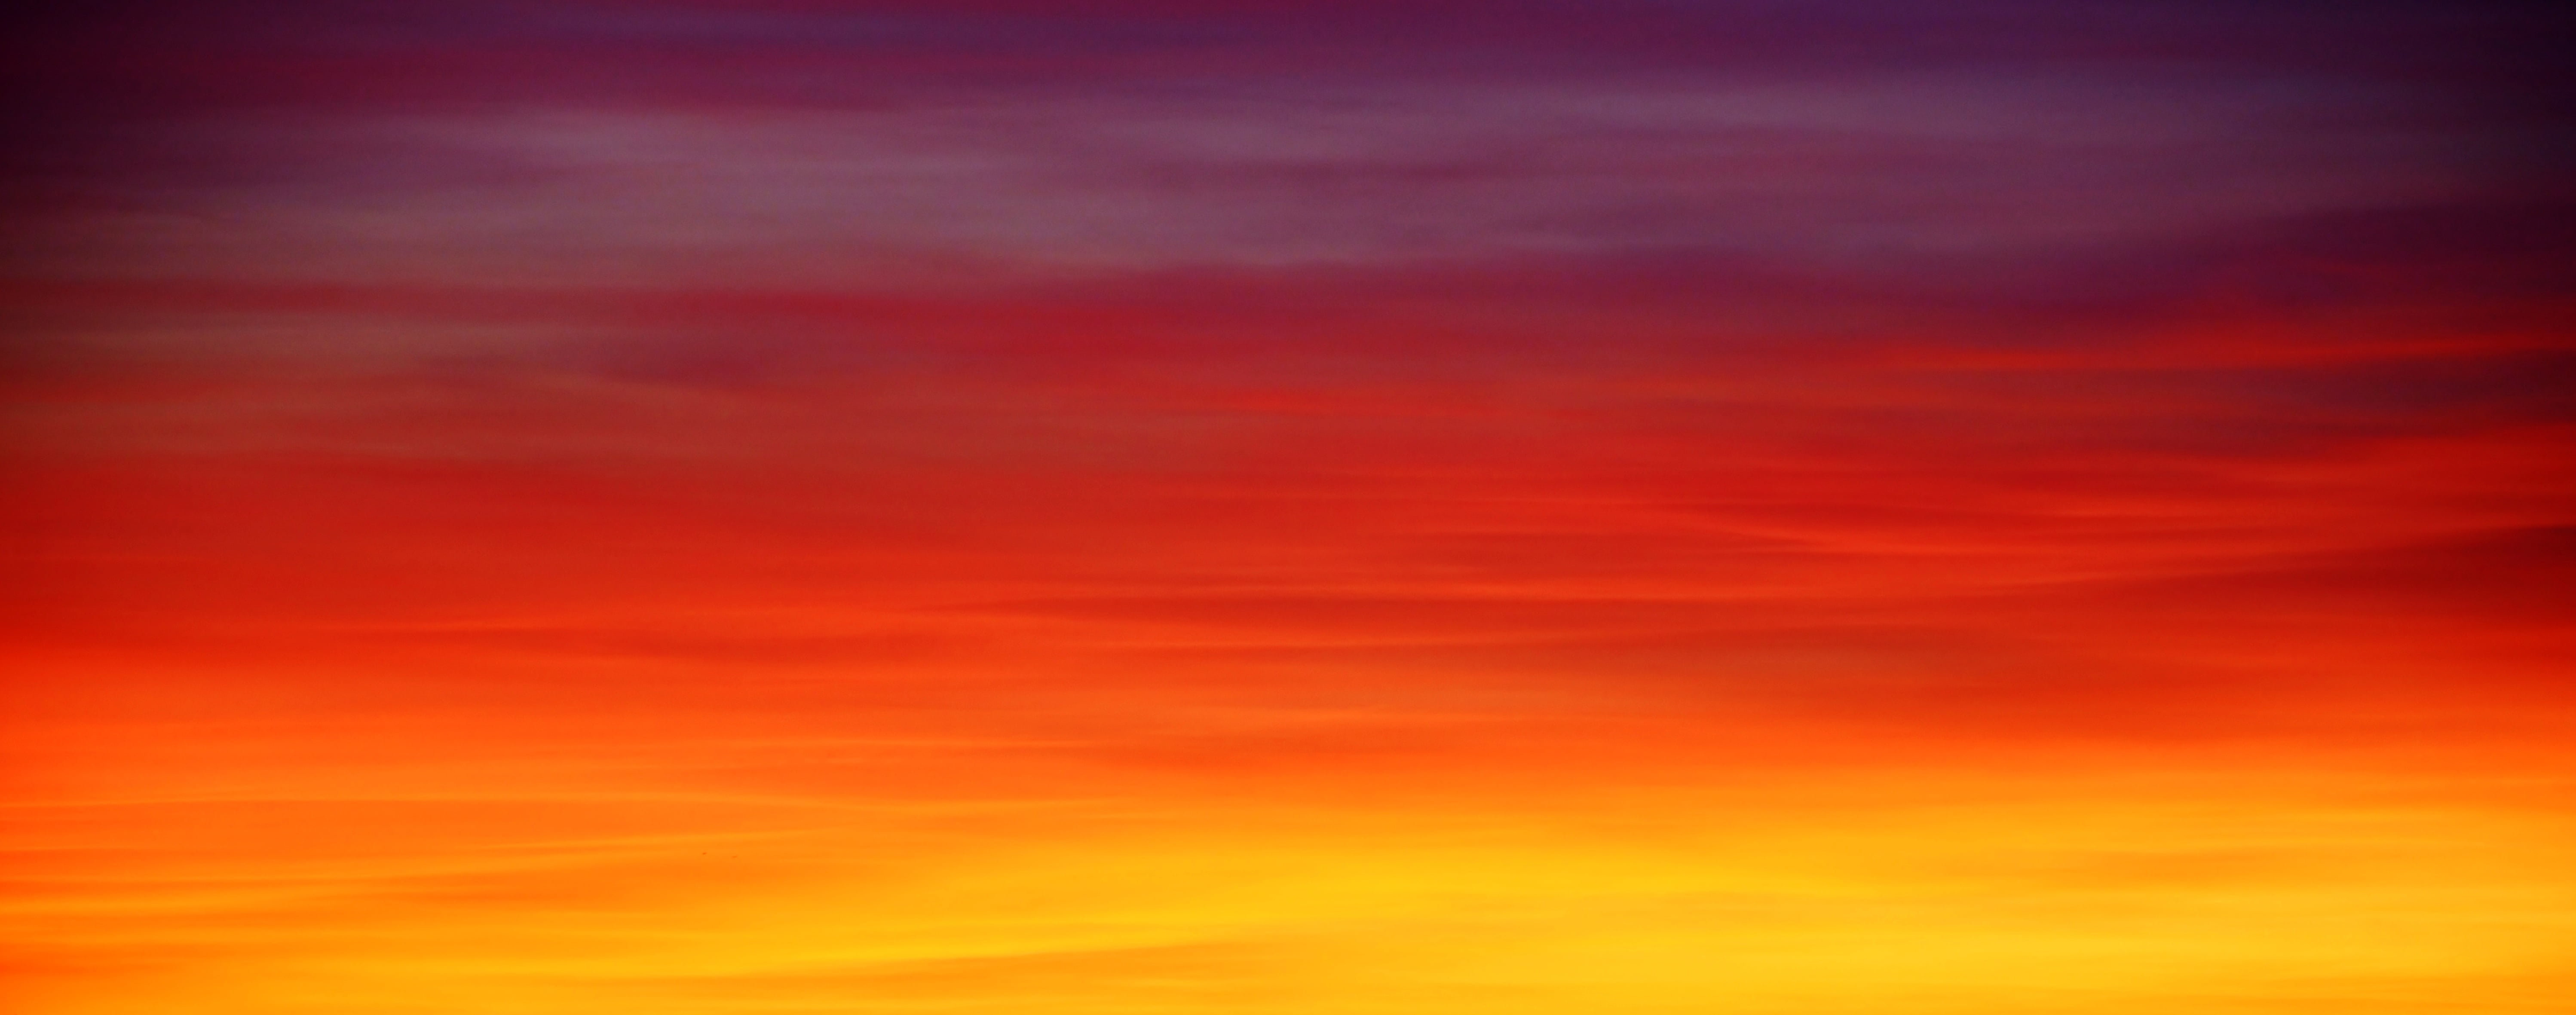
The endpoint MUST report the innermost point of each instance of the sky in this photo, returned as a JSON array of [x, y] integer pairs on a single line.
[[1861, 507]]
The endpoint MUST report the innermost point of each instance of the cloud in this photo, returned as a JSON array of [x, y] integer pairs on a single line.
[[1865, 173]]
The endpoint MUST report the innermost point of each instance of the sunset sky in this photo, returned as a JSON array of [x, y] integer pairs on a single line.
[[986, 507]]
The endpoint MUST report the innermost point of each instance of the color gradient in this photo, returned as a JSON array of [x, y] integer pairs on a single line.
[[1871, 507]]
